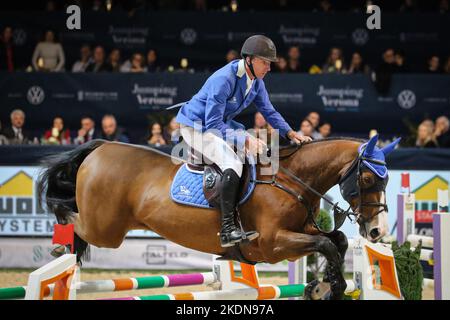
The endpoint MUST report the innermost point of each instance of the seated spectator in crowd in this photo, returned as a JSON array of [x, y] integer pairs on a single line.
[[281, 65], [293, 60], [325, 130], [446, 68], [306, 128], [137, 63], [399, 57], [335, 62], [260, 123], [324, 6], [434, 65], [384, 72], [110, 130], [3, 139], [114, 60], [87, 131], [6, 50], [314, 118], [152, 61], [442, 132], [48, 54], [15, 133], [425, 138], [99, 63], [408, 6], [57, 134], [357, 65], [155, 137], [171, 133], [232, 55], [85, 59], [444, 6]]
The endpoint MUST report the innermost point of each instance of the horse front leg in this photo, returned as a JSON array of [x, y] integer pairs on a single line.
[[290, 245], [341, 242]]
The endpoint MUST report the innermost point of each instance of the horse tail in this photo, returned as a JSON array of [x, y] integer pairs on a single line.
[[57, 184]]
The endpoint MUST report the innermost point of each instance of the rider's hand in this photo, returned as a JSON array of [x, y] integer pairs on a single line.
[[298, 138], [254, 145]]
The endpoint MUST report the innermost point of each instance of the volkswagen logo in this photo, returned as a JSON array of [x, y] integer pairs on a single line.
[[19, 37], [406, 99], [35, 95], [360, 37], [188, 36]]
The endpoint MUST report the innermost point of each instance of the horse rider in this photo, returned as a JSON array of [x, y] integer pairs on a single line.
[[208, 117]]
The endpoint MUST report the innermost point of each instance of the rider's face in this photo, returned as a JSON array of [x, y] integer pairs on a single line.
[[260, 66]]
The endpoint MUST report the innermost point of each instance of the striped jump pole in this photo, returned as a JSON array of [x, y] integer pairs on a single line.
[[265, 292], [123, 284]]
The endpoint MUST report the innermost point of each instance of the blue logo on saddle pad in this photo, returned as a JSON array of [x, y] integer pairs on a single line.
[[187, 188]]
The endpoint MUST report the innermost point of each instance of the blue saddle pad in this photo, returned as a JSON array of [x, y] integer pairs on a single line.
[[187, 187]]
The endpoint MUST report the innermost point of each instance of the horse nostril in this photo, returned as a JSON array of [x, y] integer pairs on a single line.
[[374, 233]]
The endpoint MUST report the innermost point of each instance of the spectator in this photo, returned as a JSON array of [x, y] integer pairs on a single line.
[[433, 65], [87, 131], [3, 139], [114, 60], [110, 130], [425, 138], [443, 7], [399, 58], [16, 133], [6, 50], [152, 61], [384, 72], [85, 59], [314, 119], [57, 134], [447, 66], [306, 128], [260, 123], [442, 132], [48, 54], [325, 6], [155, 137], [324, 130], [171, 132], [293, 60], [335, 62], [137, 63], [98, 64], [97, 6], [357, 65], [231, 55], [281, 65], [408, 6]]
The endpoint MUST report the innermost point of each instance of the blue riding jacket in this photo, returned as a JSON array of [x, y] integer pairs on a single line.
[[222, 97]]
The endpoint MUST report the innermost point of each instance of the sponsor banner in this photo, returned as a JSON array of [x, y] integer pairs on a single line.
[[149, 254], [349, 102]]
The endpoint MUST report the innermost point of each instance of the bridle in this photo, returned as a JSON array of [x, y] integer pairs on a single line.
[[350, 188]]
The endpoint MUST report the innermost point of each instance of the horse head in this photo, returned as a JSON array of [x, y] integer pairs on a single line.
[[363, 186]]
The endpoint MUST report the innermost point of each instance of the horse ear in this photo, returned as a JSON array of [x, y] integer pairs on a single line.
[[371, 145], [390, 147]]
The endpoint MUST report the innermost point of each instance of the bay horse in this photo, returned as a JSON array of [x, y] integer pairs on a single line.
[[107, 189]]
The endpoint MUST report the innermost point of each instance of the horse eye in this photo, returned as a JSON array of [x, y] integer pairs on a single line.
[[368, 180]]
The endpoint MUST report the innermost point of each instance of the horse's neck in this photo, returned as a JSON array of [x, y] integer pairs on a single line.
[[322, 164]]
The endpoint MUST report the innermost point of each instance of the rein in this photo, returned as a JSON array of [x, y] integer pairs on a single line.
[[339, 214]]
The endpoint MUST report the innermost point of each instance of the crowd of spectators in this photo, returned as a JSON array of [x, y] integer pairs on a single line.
[[329, 6], [49, 56], [428, 134]]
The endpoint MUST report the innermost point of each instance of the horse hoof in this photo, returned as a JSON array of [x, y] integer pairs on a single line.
[[58, 251], [316, 290]]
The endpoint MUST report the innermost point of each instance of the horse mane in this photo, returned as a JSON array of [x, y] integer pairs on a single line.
[[294, 148]]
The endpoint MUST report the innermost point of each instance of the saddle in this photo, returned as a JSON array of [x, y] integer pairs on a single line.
[[198, 183]]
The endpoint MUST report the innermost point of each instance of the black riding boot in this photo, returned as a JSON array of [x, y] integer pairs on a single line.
[[229, 233]]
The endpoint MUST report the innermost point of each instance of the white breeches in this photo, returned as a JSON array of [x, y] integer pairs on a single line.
[[212, 148]]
